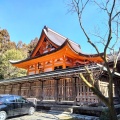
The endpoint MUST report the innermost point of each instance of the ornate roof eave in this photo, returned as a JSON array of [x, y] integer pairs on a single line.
[[71, 46], [85, 55], [42, 33], [15, 63], [78, 50], [36, 45], [48, 33], [90, 55], [28, 59]]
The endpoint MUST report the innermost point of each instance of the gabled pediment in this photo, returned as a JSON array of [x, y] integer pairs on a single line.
[[49, 41], [45, 47]]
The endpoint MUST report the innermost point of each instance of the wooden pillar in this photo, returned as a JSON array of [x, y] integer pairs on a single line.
[[64, 62], [42, 91], [19, 93], [43, 66], [56, 90], [28, 70], [75, 94], [4, 88], [11, 88], [52, 64], [35, 68], [29, 90], [65, 89]]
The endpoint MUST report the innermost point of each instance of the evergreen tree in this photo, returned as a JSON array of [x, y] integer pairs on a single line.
[[6, 69]]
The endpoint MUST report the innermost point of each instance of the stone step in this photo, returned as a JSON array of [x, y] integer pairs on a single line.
[[62, 108], [67, 108], [62, 115], [83, 110]]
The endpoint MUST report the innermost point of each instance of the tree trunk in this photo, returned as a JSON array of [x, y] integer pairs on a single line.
[[113, 115]]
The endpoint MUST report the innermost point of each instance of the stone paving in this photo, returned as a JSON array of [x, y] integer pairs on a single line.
[[53, 115]]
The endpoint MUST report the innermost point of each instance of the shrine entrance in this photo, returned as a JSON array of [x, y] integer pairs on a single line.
[[60, 90], [83, 93], [65, 90], [49, 90]]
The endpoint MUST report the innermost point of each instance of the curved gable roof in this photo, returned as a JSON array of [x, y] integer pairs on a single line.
[[59, 39]]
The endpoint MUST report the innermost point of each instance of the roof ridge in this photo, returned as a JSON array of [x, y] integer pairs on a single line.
[[45, 27], [57, 33], [74, 42]]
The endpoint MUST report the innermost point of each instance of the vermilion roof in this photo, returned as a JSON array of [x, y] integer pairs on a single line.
[[59, 41]]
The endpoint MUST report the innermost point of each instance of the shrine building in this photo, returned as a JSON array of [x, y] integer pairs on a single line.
[[53, 72]]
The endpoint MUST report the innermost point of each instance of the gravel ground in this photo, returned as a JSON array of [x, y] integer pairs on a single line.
[[53, 115], [41, 116]]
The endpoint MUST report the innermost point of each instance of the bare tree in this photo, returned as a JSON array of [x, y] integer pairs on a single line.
[[109, 41]]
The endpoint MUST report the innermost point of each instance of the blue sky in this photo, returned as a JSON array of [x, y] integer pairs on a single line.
[[24, 20]]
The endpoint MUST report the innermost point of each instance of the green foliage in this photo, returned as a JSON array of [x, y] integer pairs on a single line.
[[23, 48], [10, 51], [105, 115], [13, 51], [6, 69], [32, 45], [4, 40], [4, 36]]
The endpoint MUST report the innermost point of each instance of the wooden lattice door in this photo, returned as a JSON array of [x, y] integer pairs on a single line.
[[65, 90], [36, 89], [49, 90], [84, 93]]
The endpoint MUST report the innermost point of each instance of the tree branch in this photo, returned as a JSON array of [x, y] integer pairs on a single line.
[[115, 15], [110, 29], [96, 91]]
